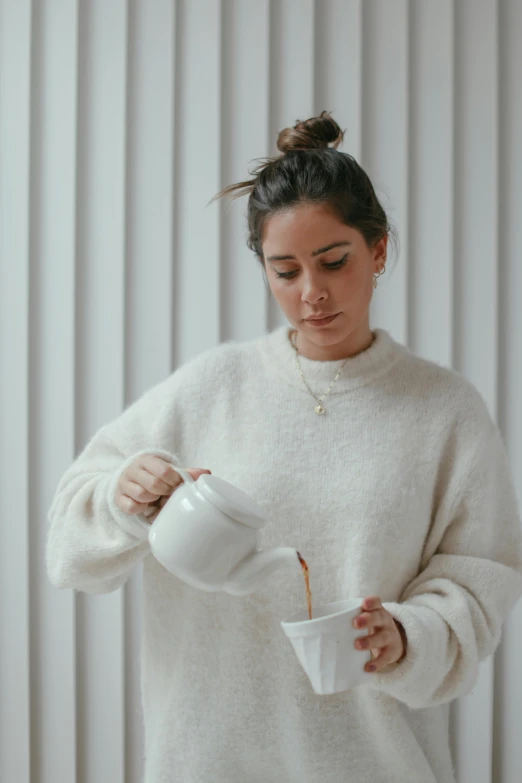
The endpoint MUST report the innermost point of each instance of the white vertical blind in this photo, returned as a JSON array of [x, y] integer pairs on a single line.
[[55, 711], [507, 748], [386, 142], [149, 336], [292, 55], [197, 166], [118, 123], [100, 354], [431, 206], [15, 239], [245, 111], [476, 265]]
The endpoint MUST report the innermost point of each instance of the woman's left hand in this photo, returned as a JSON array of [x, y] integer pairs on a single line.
[[386, 638]]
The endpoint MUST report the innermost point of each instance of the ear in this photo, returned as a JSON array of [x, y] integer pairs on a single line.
[[379, 252]]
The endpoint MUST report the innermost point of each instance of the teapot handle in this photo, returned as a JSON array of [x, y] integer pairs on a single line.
[[147, 526], [185, 475]]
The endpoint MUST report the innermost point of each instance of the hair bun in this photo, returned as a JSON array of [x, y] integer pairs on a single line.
[[312, 134]]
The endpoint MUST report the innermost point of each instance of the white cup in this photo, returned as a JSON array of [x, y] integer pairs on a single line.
[[324, 646]]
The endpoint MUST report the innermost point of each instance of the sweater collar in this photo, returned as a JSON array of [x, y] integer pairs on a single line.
[[279, 356]]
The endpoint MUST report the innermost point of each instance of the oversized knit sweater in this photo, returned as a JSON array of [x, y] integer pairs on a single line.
[[401, 490]]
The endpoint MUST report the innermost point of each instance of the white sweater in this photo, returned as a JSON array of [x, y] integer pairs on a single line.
[[402, 489]]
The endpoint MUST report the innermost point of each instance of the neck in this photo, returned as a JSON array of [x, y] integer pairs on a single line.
[[359, 340]]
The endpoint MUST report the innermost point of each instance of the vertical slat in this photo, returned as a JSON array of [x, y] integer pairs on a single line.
[[15, 119], [476, 231], [385, 145], [148, 332], [431, 200], [100, 351], [476, 310], [52, 431], [338, 68], [292, 61], [507, 748], [197, 178], [244, 137], [431, 181]]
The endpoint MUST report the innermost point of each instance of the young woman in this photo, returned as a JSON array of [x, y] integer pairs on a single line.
[[385, 470]]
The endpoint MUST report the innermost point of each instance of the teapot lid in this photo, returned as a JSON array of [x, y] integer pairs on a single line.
[[232, 500]]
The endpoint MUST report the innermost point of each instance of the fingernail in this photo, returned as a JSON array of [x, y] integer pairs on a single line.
[[371, 668]]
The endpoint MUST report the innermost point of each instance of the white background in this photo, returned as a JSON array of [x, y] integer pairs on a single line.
[[118, 123]]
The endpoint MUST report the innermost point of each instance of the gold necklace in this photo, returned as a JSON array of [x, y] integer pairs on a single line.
[[319, 408]]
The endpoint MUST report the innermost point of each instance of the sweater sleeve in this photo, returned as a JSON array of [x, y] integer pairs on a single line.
[[453, 611], [92, 545]]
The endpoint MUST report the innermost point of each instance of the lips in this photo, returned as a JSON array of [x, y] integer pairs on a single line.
[[323, 321]]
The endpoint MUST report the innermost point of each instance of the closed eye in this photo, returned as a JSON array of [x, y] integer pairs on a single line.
[[334, 265]]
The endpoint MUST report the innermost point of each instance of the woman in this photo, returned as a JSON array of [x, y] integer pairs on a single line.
[[385, 470]]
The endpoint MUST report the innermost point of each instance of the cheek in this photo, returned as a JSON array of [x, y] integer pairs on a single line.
[[275, 286], [285, 292], [356, 290]]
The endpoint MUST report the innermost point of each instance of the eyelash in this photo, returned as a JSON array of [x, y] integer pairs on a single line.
[[335, 265]]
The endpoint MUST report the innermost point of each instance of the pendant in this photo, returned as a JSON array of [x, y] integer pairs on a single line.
[[319, 409]]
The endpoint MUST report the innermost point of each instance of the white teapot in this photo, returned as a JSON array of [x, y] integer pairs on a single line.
[[206, 534]]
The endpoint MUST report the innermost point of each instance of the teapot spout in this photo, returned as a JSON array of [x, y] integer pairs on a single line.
[[255, 568]]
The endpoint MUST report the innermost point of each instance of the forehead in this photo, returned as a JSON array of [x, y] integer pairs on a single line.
[[304, 229]]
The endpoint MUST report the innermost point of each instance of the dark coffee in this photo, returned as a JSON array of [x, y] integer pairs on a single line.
[[306, 574]]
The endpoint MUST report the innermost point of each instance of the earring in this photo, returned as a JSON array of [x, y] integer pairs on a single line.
[[376, 277]]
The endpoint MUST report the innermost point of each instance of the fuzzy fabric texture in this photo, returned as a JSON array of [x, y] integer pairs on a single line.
[[402, 489]]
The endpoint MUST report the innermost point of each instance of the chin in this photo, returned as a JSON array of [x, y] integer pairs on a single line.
[[327, 338]]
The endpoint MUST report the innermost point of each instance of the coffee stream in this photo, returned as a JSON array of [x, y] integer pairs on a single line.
[[306, 574]]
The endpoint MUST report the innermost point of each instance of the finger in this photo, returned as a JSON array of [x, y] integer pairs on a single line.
[[155, 485], [370, 620], [150, 513], [137, 492], [161, 470], [196, 472], [374, 641], [381, 658], [130, 506], [371, 602], [161, 501], [158, 504]]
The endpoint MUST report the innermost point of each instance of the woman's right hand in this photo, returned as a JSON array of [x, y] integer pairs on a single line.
[[146, 485]]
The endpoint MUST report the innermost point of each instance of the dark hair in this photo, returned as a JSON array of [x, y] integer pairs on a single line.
[[311, 171]]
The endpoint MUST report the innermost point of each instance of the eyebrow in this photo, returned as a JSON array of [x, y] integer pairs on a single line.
[[314, 253]]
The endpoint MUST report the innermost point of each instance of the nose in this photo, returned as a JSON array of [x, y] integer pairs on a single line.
[[313, 291]]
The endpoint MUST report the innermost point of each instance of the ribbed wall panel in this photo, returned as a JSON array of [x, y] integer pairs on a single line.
[[118, 123]]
